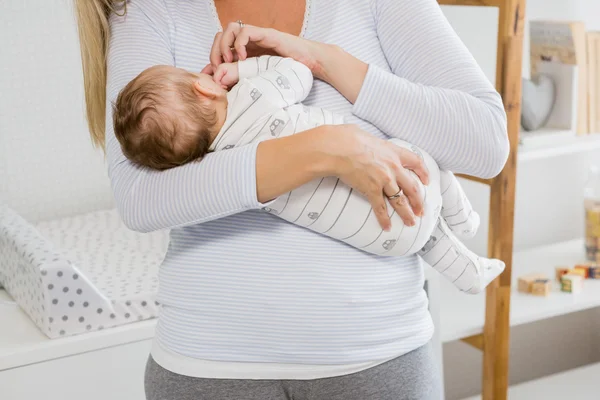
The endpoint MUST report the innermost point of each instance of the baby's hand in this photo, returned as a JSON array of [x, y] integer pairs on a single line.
[[227, 75]]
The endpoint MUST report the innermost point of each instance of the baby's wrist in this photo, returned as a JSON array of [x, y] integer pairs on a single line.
[[245, 68]]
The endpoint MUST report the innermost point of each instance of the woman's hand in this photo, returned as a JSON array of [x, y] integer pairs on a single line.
[[252, 40], [327, 62], [379, 169], [374, 167]]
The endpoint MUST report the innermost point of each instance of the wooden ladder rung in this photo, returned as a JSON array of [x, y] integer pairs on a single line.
[[485, 3], [476, 179]]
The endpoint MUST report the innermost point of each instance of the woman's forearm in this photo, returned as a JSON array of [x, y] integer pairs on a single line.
[[432, 93], [284, 164], [340, 69]]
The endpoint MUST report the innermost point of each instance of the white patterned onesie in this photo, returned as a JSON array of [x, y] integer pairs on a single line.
[[266, 104]]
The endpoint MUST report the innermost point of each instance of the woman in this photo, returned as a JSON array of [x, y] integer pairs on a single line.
[[254, 307]]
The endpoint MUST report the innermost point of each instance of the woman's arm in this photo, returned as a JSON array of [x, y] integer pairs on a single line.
[[223, 183], [232, 181], [436, 96]]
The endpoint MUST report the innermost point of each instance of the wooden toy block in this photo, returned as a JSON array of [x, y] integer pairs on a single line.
[[571, 283], [574, 271], [540, 287], [525, 282], [560, 271], [595, 272], [584, 269]]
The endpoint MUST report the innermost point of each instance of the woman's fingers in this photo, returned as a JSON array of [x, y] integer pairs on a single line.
[[380, 169], [251, 34], [410, 189], [215, 53], [413, 162], [238, 38], [416, 204], [228, 39], [241, 41], [403, 209], [380, 209], [267, 39], [399, 202]]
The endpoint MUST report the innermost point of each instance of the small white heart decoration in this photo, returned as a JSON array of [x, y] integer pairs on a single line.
[[538, 98]]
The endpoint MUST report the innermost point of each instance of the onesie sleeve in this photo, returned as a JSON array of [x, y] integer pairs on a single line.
[[222, 184], [434, 95], [283, 80]]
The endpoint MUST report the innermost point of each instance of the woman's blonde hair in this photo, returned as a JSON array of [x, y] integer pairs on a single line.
[[92, 21]]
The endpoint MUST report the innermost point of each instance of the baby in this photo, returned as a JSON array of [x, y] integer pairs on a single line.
[[168, 116]]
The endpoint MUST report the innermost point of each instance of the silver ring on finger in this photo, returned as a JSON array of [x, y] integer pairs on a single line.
[[241, 24], [395, 196]]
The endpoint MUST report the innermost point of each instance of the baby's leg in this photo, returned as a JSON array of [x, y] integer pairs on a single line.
[[456, 208], [450, 257]]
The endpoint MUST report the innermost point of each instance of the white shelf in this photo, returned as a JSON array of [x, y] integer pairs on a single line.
[[462, 315], [22, 343], [579, 384], [548, 143]]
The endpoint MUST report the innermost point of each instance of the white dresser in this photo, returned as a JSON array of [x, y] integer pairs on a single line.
[[101, 365]]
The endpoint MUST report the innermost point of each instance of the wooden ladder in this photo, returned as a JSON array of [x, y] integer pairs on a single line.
[[495, 339]]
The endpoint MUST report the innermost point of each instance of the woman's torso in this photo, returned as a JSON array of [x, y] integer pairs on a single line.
[[253, 288]]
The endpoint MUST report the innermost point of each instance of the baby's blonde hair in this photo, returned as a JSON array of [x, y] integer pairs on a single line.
[[160, 120]]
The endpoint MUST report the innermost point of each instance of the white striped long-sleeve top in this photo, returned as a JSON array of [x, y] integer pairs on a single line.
[[239, 285]]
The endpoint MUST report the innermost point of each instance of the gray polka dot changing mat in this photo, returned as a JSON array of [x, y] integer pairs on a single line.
[[82, 273]]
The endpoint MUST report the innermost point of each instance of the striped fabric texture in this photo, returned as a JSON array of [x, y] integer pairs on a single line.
[[240, 285]]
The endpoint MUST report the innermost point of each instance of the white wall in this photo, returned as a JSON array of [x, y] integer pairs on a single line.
[[548, 209], [48, 167]]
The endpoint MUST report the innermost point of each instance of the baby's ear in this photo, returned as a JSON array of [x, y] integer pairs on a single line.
[[204, 91]]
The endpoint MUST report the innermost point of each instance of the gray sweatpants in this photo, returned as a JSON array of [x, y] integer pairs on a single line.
[[413, 376]]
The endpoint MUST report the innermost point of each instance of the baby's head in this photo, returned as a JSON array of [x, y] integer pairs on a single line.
[[168, 116]]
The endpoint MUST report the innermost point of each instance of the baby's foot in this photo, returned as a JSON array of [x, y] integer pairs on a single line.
[[456, 208], [450, 257]]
